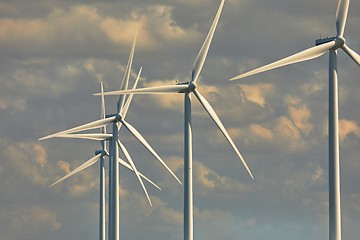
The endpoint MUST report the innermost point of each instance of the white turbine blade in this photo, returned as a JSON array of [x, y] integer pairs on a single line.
[[126, 165], [341, 16], [124, 110], [142, 140], [90, 136], [103, 129], [351, 53], [80, 168], [151, 90], [128, 157], [217, 121], [102, 116], [87, 126], [305, 55], [200, 59], [125, 82]]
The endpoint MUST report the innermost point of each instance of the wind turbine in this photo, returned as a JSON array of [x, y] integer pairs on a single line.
[[187, 88], [331, 44], [99, 156], [117, 120]]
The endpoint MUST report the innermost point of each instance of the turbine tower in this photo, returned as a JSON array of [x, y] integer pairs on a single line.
[[117, 120], [331, 44], [187, 88]]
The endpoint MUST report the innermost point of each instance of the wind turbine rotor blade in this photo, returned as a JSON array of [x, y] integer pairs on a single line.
[[125, 82], [87, 126], [201, 57], [128, 157], [124, 110], [150, 90], [142, 140], [341, 16], [103, 129], [102, 116], [305, 55], [80, 168], [351, 53], [89, 136], [126, 165], [209, 109]]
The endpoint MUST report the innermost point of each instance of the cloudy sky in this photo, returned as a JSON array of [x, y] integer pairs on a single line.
[[54, 53]]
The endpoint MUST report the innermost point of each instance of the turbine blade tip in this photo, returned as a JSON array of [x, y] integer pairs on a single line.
[[250, 173], [238, 77]]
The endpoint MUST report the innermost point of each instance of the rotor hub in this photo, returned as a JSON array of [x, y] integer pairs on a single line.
[[102, 152], [118, 117], [105, 152], [340, 41], [192, 86]]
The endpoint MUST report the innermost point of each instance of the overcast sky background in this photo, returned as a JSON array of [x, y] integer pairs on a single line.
[[54, 53]]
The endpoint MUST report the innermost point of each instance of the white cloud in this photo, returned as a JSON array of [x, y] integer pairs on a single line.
[[14, 104], [162, 24], [261, 132], [347, 127], [258, 93], [280, 134], [209, 181], [288, 133], [292, 130], [299, 113], [27, 82], [65, 166], [21, 222], [83, 25], [309, 89], [28, 160]]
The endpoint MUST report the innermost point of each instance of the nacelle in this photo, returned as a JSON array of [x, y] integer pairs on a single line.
[[324, 40]]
